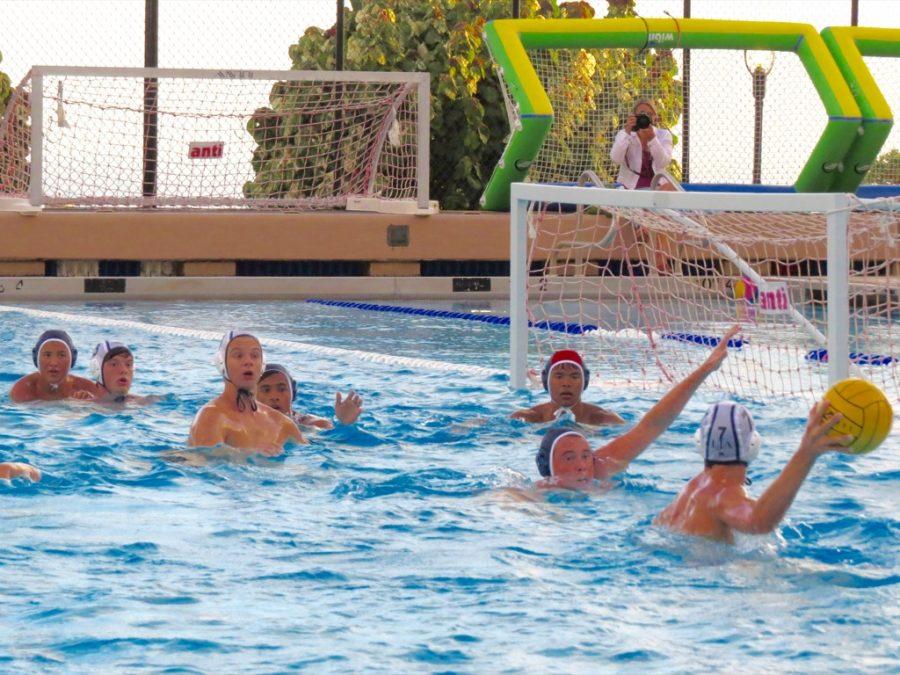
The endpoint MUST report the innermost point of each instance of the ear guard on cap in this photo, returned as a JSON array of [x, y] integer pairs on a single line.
[[222, 352], [727, 435], [51, 336], [545, 373], [544, 456]]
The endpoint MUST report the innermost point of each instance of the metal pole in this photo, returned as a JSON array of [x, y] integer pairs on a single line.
[[518, 316], [838, 291], [36, 184], [515, 9], [423, 141], [854, 12], [339, 37], [759, 93], [151, 96], [686, 108]]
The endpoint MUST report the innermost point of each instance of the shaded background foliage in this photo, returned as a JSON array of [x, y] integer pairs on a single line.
[[14, 166], [886, 169], [5, 88], [468, 118]]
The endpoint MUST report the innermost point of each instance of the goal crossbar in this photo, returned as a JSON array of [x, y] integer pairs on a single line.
[[527, 199]]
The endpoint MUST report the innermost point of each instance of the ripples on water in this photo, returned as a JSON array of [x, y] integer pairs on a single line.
[[393, 546]]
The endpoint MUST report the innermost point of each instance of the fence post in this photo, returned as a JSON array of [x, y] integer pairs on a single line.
[[36, 184], [151, 96], [339, 37]]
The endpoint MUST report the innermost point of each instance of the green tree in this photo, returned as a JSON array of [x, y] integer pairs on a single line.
[[468, 118], [885, 170]]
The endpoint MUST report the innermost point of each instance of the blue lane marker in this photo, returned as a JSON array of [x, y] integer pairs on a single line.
[[821, 355], [702, 340], [556, 326]]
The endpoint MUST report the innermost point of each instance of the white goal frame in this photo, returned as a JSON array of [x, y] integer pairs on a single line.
[[836, 206], [422, 82]]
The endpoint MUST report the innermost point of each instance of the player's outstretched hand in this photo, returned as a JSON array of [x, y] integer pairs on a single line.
[[718, 354], [16, 469], [816, 439], [347, 410]]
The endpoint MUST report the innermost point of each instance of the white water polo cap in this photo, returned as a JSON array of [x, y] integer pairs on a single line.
[[102, 352], [222, 352], [727, 435]]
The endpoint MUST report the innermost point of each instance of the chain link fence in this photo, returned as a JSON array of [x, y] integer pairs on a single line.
[[191, 33], [233, 34]]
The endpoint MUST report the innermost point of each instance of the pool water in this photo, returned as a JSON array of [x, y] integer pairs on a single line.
[[393, 546]]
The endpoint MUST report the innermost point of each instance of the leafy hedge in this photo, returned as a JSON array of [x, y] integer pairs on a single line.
[[468, 118]]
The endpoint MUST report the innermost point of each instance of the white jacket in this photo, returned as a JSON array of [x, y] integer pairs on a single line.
[[628, 145]]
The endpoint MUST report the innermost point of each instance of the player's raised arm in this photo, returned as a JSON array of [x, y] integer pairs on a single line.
[[619, 453]]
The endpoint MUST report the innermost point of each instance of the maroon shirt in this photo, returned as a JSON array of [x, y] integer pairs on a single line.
[[645, 175]]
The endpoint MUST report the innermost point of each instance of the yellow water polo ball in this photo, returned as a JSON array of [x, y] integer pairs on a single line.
[[868, 416]]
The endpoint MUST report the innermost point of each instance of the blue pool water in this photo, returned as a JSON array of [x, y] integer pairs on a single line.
[[393, 546]]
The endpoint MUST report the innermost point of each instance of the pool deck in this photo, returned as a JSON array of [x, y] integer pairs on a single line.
[[68, 254]]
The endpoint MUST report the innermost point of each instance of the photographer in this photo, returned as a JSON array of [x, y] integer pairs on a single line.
[[641, 149]]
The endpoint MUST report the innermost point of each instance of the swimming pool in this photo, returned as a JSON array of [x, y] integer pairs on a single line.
[[391, 547]]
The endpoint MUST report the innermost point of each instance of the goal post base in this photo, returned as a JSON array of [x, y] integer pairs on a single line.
[[406, 207], [22, 206]]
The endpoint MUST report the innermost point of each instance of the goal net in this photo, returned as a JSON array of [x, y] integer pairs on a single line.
[[128, 137], [644, 283]]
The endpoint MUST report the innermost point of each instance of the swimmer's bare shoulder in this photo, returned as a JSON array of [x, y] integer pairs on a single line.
[[542, 412], [597, 416], [83, 384], [696, 510], [519, 494], [207, 428], [149, 399], [25, 389], [288, 429]]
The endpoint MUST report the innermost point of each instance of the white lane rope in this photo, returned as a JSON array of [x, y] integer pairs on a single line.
[[350, 354]]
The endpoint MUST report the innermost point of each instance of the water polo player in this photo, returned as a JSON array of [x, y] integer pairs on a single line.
[[715, 504], [112, 366], [54, 355], [234, 418], [565, 458], [565, 377], [277, 389]]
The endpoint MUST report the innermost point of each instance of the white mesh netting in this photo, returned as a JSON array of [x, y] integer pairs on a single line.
[[229, 141], [641, 292], [594, 90]]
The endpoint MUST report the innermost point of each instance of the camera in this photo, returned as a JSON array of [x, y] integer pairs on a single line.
[[642, 121]]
